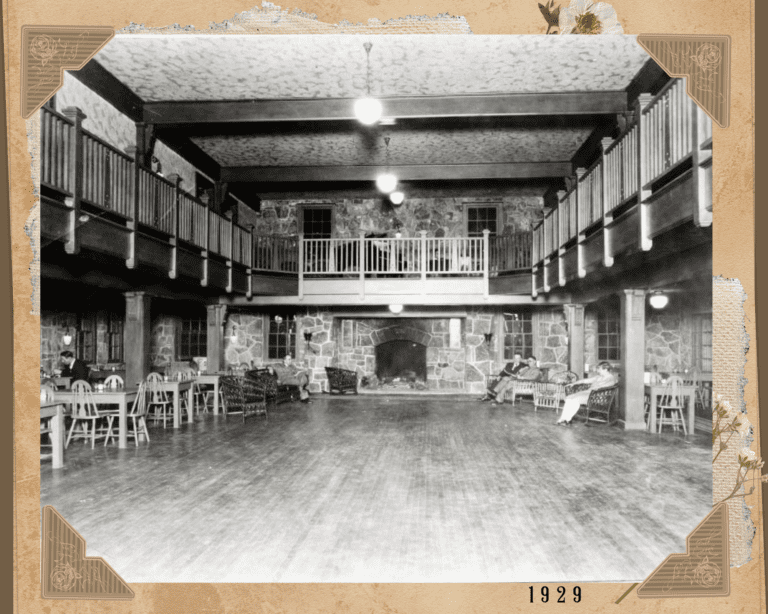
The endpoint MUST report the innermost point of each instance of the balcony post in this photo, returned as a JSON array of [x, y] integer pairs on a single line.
[[486, 249], [133, 208], [607, 215], [249, 270], [207, 239], [76, 170], [423, 264], [580, 234], [361, 261], [174, 271], [137, 333], [216, 318], [574, 317], [643, 157], [632, 387], [702, 159], [301, 265], [231, 256]]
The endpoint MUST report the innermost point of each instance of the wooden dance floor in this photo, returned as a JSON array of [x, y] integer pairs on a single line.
[[386, 489]]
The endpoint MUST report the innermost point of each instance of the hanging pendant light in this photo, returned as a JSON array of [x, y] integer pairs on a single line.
[[368, 110], [386, 182], [396, 198], [659, 300]]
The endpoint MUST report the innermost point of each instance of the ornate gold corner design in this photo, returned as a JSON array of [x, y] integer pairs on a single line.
[[706, 63], [67, 573], [47, 51], [704, 569]]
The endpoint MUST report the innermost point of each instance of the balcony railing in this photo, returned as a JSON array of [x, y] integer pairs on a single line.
[[670, 130], [86, 174]]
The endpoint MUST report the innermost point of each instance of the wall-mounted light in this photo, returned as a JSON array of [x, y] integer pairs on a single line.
[[308, 339], [396, 198], [659, 300], [278, 320], [396, 308], [67, 337], [488, 338], [233, 334]]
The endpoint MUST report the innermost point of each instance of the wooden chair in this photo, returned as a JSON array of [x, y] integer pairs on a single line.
[[86, 414], [671, 404], [137, 415], [114, 381], [551, 393], [600, 404], [158, 405]]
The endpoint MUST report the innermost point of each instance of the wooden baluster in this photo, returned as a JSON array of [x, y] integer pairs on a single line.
[[173, 270], [251, 237], [607, 214]]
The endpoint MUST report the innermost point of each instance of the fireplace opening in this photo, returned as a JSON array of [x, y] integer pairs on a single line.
[[401, 360]]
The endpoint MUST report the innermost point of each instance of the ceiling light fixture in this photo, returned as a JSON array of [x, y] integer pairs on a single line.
[[396, 309], [386, 182], [659, 300], [368, 110], [396, 198]]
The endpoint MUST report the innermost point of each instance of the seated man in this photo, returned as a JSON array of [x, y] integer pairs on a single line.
[[530, 372], [510, 369], [291, 375], [603, 379], [76, 369]]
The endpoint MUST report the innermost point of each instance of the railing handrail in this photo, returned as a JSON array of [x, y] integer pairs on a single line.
[[655, 100], [106, 145]]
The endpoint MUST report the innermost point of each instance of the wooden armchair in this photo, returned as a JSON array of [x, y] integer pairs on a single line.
[[243, 395], [275, 393], [341, 380], [549, 394]]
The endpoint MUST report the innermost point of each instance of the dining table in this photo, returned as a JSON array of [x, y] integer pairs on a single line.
[[654, 390], [211, 379], [54, 411], [177, 387], [121, 397]]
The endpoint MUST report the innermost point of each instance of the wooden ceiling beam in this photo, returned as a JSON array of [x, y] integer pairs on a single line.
[[424, 172], [97, 78], [496, 105]]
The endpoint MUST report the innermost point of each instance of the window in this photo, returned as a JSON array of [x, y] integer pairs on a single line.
[[86, 337], [608, 336], [316, 222], [702, 342], [194, 338], [282, 336], [115, 337], [480, 217], [518, 335]]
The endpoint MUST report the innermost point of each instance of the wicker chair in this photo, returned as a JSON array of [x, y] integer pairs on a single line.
[[341, 380], [600, 404], [243, 395], [549, 394], [521, 387], [275, 393]]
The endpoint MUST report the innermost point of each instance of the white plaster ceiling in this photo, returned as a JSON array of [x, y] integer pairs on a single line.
[[209, 67], [406, 147]]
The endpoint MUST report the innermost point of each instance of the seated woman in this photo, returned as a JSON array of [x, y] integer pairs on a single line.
[[603, 379], [289, 374]]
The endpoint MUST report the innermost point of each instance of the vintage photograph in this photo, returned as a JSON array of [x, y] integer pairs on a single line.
[[376, 308]]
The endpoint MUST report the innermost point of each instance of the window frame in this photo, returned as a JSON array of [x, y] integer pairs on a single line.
[[117, 336], [493, 205], [698, 346], [508, 351], [301, 209], [604, 352], [84, 333], [290, 346], [202, 333]]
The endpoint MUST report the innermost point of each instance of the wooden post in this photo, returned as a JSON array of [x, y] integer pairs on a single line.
[[643, 192], [361, 260], [205, 255], [580, 235], [133, 209], [702, 159], [301, 265], [486, 248], [216, 318], [174, 270], [72, 246], [607, 215], [632, 387], [249, 271], [574, 317], [230, 255], [423, 263], [136, 337]]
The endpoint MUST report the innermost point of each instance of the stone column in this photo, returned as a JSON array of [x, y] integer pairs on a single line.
[[137, 335], [632, 389], [216, 319], [574, 317]]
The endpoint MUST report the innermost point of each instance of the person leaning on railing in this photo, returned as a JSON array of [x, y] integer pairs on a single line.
[[513, 372], [290, 375]]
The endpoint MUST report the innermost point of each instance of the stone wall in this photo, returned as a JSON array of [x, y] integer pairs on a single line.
[[551, 340], [162, 346], [439, 216], [53, 326], [669, 341]]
